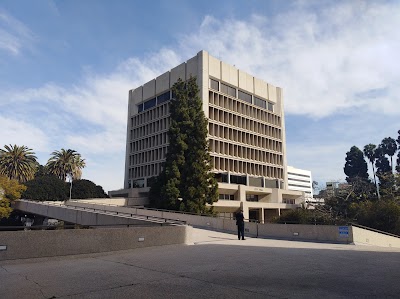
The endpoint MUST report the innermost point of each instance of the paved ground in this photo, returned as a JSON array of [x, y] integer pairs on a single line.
[[217, 265]]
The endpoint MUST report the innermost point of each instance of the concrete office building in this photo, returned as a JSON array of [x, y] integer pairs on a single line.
[[246, 136], [300, 180]]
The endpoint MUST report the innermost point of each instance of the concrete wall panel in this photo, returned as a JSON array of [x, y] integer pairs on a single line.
[[137, 95], [229, 74], [192, 67], [366, 237], [214, 66], [261, 88], [81, 241], [246, 82], [162, 83], [149, 90], [272, 93], [178, 72]]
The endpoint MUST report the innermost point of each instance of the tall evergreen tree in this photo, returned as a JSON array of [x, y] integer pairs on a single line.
[[398, 154], [185, 182], [198, 184], [384, 172], [355, 168]]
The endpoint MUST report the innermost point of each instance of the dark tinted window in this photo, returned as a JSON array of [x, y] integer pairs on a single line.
[[244, 96], [140, 107], [237, 179], [228, 90], [214, 84], [260, 103], [148, 104], [163, 98], [270, 106]]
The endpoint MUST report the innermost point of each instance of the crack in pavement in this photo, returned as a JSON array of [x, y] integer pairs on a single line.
[[188, 277], [26, 278]]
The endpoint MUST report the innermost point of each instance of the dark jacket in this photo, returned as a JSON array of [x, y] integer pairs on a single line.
[[239, 218]]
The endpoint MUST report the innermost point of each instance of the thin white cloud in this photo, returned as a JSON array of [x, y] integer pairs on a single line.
[[15, 131], [14, 35]]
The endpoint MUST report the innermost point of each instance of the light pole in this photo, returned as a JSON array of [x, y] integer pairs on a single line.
[[70, 187]]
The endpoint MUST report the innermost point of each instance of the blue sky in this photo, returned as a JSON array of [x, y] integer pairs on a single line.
[[66, 68]]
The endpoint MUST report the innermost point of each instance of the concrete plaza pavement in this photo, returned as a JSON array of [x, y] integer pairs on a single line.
[[217, 265]]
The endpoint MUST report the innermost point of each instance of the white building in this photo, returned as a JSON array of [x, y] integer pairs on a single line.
[[246, 133], [300, 180]]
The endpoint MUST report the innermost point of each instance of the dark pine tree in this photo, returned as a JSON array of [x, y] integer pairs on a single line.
[[356, 167], [384, 173], [185, 182], [198, 184], [398, 154]]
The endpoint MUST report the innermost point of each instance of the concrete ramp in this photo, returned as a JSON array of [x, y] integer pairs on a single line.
[[86, 216]]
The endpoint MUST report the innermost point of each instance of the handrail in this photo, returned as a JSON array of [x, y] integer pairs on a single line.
[[68, 226], [106, 212]]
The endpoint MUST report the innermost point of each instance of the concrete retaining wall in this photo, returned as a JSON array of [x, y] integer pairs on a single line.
[[367, 237], [323, 233], [45, 243]]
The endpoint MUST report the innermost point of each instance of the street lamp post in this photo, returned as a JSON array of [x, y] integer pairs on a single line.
[[70, 187]]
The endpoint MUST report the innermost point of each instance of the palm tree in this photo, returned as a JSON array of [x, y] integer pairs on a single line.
[[79, 163], [369, 152], [18, 163], [389, 147], [64, 163]]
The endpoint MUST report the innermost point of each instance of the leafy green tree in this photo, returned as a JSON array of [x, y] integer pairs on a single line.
[[66, 162], [10, 190], [389, 147], [87, 189], [355, 167], [46, 188], [185, 182], [381, 215], [17, 162]]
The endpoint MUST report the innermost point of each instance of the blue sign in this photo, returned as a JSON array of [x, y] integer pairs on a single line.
[[343, 231]]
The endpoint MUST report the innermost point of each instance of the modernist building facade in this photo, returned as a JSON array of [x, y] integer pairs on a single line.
[[246, 134], [300, 180]]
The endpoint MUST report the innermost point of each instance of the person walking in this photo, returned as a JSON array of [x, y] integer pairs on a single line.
[[240, 224]]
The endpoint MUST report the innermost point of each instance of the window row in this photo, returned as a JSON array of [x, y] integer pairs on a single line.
[[157, 112], [149, 142], [225, 164], [242, 95], [150, 128], [148, 156], [149, 170], [243, 108], [243, 123], [226, 197], [162, 98], [243, 152], [244, 137]]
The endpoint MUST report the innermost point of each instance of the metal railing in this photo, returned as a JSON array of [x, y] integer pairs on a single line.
[[76, 226], [111, 213]]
